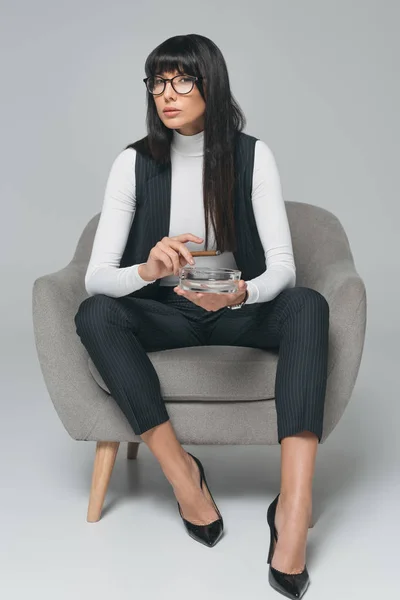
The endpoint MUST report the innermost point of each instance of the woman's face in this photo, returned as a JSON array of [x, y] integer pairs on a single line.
[[190, 118]]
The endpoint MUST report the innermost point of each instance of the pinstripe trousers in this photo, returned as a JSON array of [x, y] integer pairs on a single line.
[[118, 333]]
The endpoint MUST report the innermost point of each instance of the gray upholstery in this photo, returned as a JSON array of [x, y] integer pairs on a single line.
[[209, 404]]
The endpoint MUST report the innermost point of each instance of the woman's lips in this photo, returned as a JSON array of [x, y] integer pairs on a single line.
[[171, 113]]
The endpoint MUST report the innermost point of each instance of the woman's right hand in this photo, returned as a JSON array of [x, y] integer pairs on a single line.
[[168, 256]]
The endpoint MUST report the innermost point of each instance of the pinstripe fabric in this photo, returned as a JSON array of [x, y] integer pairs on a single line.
[[118, 332], [296, 324]]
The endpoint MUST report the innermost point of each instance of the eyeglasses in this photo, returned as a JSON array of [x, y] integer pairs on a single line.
[[182, 84]]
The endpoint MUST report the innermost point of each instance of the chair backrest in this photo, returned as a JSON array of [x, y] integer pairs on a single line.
[[318, 240]]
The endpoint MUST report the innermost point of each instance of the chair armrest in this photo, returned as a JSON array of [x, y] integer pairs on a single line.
[[345, 293], [63, 358]]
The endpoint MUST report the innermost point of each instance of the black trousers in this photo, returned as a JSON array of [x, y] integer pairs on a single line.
[[117, 333]]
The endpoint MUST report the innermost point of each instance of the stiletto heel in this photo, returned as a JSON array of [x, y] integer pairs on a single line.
[[208, 534], [291, 585]]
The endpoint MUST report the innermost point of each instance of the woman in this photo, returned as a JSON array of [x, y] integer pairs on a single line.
[[153, 216]]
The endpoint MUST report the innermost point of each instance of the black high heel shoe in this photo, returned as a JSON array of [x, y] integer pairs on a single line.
[[208, 534], [291, 585]]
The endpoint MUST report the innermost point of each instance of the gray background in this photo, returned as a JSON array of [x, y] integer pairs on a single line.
[[318, 82]]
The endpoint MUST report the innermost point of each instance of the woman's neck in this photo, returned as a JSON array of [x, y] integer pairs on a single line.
[[189, 145]]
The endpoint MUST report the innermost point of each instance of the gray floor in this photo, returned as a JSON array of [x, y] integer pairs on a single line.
[[140, 548]]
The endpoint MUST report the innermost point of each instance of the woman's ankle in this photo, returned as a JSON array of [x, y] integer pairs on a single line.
[[295, 501], [179, 471], [293, 509]]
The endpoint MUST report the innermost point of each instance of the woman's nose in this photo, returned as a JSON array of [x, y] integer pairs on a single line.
[[169, 90]]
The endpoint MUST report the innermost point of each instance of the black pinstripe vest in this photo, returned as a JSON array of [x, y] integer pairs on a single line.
[[152, 214]]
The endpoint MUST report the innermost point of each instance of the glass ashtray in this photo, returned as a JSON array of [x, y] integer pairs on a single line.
[[209, 280]]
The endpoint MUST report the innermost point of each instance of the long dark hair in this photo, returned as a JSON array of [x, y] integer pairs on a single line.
[[197, 55]]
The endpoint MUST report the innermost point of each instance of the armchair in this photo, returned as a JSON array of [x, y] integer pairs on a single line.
[[210, 405]]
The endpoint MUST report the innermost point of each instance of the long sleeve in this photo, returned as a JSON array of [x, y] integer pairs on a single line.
[[103, 275], [273, 228]]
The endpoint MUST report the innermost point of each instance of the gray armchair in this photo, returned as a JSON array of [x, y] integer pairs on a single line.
[[210, 404]]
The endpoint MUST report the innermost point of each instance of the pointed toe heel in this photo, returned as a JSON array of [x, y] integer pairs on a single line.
[[208, 534], [291, 585]]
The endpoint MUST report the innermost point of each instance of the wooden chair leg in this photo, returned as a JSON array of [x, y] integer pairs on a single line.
[[133, 448], [106, 453]]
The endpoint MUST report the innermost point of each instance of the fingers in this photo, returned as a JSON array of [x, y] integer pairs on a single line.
[[186, 237], [174, 249], [158, 253], [180, 248], [168, 256], [173, 253]]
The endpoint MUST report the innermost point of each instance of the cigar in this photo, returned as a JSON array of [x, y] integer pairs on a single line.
[[205, 252]]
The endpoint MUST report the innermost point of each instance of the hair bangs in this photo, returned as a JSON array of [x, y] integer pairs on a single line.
[[175, 54]]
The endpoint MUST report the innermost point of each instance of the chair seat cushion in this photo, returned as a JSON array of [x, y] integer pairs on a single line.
[[212, 373]]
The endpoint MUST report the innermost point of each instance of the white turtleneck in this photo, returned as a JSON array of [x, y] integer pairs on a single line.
[[103, 275]]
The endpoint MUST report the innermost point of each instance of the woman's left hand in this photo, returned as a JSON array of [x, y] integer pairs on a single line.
[[211, 301]]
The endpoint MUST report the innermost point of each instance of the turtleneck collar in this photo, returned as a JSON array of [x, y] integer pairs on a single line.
[[189, 145]]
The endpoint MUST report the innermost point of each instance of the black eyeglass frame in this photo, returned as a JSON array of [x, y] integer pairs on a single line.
[[192, 77]]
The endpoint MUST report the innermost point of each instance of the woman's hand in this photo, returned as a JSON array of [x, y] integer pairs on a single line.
[[214, 302], [168, 256]]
